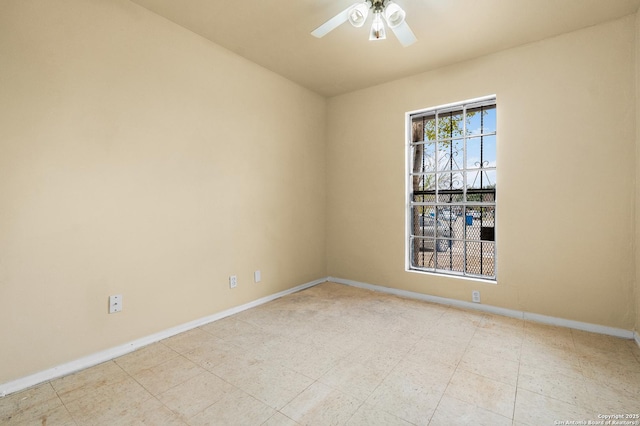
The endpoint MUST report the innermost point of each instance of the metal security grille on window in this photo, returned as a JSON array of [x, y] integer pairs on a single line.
[[452, 190]]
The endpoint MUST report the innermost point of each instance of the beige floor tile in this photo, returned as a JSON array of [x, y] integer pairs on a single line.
[[635, 348], [585, 341], [500, 345], [31, 406], [605, 398], [46, 415], [470, 317], [429, 350], [311, 361], [532, 328], [238, 333], [500, 324], [330, 341], [279, 349], [553, 359], [409, 321], [368, 415], [279, 419], [624, 376], [250, 341], [196, 394], [27, 399], [75, 385], [433, 377], [378, 355], [105, 403], [190, 340], [534, 410], [320, 404], [451, 330], [212, 353], [412, 391], [414, 405], [623, 357], [557, 341], [147, 357], [390, 339], [149, 412], [171, 373], [422, 314], [486, 393], [354, 378], [569, 389], [490, 366], [451, 412], [267, 381], [235, 408]]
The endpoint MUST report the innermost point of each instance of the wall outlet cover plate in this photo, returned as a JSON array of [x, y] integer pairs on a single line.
[[115, 303]]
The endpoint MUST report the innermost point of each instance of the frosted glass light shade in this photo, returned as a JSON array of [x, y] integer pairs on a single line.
[[377, 29], [358, 14]]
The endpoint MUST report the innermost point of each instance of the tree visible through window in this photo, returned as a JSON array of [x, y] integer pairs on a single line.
[[452, 190]]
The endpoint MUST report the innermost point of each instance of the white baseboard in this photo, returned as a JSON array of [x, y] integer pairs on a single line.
[[637, 338], [109, 354], [594, 328]]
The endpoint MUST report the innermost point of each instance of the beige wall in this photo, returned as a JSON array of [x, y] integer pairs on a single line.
[[566, 149], [137, 158], [637, 206]]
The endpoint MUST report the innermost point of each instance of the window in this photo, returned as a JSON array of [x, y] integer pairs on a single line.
[[451, 188]]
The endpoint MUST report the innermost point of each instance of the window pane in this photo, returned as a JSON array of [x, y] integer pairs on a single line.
[[487, 218], [481, 179], [451, 155], [429, 157], [481, 120], [472, 224], [481, 186], [448, 214], [450, 181], [424, 182], [422, 252], [453, 196], [480, 258], [450, 125], [423, 157], [447, 258], [481, 152], [424, 197], [415, 220], [429, 128]]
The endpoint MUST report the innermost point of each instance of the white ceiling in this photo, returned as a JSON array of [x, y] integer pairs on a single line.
[[275, 34]]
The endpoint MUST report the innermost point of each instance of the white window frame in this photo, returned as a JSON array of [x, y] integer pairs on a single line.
[[409, 173]]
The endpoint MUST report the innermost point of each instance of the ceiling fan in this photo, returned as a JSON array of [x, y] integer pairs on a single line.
[[357, 14]]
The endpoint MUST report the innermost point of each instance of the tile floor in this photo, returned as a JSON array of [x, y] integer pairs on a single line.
[[333, 355]]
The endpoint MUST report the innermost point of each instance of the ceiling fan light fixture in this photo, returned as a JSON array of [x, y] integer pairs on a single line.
[[394, 15], [377, 29], [358, 14]]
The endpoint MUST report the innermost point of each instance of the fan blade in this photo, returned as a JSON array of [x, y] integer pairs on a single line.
[[333, 23], [404, 34]]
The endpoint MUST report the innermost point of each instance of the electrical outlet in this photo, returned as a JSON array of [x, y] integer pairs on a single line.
[[115, 303], [475, 296], [257, 276], [233, 281]]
